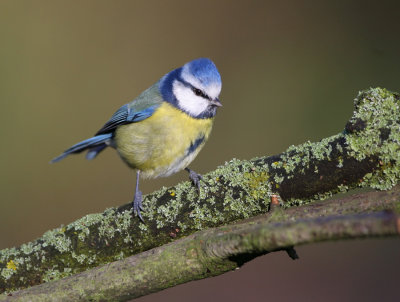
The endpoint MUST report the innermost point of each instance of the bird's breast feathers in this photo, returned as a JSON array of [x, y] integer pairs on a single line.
[[164, 143]]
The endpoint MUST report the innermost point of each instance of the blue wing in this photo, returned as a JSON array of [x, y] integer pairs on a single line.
[[139, 109], [126, 115], [101, 139]]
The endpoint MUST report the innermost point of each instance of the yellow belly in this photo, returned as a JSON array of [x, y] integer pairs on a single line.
[[158, 145]]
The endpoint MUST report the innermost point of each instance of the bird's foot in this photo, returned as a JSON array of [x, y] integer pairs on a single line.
[[137, 204], [195, 178]]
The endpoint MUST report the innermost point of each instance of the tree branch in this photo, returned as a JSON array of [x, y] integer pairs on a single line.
[[215, 251], [366, 154]]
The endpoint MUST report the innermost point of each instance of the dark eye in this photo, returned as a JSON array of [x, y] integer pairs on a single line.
[[198, 92]]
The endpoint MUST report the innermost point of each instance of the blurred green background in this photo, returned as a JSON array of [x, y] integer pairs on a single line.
[[290, 72]]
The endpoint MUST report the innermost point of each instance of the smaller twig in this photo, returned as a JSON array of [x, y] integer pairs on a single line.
[[292, 253]]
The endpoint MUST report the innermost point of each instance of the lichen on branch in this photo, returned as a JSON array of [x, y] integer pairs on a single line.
[[217, 250], [365, 154]]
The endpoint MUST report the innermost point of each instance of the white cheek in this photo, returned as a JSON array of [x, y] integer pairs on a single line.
[[187, 100]]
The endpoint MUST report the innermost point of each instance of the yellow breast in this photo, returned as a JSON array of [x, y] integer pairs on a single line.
[[164, 143]]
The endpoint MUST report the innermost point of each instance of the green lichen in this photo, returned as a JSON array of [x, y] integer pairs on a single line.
[[257, 185], [54, 274], [378, 109], [170, 210], [57, 239], [143, 227], [340, 162], [300, 157], [9, 253], [106, 227], [80, 258], [182, 226], [30, 247], [375, 133], [343, 188], [6, 273], [244, 185], [81, 226]]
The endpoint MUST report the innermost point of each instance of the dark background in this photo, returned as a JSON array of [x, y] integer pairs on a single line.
[[290, 72]]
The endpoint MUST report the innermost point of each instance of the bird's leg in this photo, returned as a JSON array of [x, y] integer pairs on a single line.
[[137, 200], [195, 178]]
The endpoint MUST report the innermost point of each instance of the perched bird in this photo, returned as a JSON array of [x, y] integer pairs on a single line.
[[161, 131]]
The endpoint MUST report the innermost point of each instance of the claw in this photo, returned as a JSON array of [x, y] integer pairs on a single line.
[[195, 178], [137, 204]]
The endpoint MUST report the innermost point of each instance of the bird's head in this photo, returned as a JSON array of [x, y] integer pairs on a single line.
[[193, 88]]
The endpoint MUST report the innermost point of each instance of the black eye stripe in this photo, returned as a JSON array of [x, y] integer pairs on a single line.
[[198, 92], [195, 90]]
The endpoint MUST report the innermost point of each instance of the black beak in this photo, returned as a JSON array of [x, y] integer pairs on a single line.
[[216, 103]]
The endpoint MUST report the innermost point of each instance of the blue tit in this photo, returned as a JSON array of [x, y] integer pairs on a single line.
[[161, 131]]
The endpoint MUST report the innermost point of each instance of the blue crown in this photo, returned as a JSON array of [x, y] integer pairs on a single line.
[[205, 71]]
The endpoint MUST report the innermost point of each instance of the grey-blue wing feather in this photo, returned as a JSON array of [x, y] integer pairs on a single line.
[[120, 117], [135, 111], [126, 115], [139, 109]]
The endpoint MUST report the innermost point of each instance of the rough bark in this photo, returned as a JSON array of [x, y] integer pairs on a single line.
[[365, 154], [214, 251]]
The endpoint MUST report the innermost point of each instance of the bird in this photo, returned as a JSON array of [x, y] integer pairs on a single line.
[[161, 131]]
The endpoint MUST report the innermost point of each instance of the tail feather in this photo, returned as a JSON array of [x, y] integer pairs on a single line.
[[92, 153], [96, 144]]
